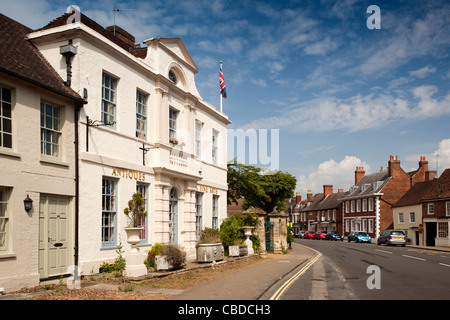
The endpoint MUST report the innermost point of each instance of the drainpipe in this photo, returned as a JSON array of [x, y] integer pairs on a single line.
[[68, 51], [77, 183]]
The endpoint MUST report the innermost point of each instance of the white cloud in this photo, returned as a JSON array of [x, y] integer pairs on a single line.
[[423, 72], [259, 82], [444, 155], [358, 112], [339, 174]]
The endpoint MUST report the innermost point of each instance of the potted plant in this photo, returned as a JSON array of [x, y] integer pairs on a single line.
[[173, 141], [170, 257], [209, 247], [135, 213]]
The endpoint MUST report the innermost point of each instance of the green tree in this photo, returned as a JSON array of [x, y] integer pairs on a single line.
[[264, 191]]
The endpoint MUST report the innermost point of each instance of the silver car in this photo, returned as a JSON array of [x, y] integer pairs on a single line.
[[390, 237]]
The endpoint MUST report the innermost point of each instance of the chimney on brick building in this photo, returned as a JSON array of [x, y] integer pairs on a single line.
[[359, 173], [423, 163], [340, 190], [394, 165], [298, 197], [309, 195], [122, 35], [327, 189]]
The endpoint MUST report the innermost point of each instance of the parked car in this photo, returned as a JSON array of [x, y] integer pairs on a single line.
[[308, 234], [334, 235], [301, 234], [320, 234], [390, 237], [358, 236]]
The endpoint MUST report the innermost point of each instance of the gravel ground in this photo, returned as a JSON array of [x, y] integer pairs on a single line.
[[162, 288]]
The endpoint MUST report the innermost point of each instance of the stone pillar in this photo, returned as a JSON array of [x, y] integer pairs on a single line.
[[259, 231], [280, 230]]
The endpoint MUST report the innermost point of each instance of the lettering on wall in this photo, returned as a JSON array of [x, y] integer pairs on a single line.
[[208, 189], [127, 173]]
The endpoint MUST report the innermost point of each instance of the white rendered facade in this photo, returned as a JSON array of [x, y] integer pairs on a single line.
[[111, 158]]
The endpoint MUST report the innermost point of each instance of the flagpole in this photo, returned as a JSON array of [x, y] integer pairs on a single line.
[[220, 92]]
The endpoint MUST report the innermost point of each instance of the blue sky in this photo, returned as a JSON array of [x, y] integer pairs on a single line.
[[341, 95]]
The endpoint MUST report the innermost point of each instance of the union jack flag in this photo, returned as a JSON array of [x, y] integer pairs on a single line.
[[223, 91]]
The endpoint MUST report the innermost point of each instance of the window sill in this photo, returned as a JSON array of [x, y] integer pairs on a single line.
[[7, 152], [54, 161], [7, 255]]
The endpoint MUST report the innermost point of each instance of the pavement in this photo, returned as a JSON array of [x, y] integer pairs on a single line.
[[252, 282]]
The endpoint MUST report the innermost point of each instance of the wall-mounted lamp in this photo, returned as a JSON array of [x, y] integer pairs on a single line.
[[27, 203]]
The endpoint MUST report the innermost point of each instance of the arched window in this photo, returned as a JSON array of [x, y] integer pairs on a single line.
[[173, 77]]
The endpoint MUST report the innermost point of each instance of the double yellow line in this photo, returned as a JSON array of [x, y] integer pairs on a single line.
[[289, 282]]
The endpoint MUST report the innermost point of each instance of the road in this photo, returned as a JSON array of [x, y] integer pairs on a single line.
[[346, 271]]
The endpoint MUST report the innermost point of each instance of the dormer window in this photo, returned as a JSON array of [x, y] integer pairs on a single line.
[[173, 77]]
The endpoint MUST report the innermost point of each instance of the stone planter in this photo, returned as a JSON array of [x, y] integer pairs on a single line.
[[134, 260], [248, 232], [210, 252], [162, 263], [238, 251], [133, 237]]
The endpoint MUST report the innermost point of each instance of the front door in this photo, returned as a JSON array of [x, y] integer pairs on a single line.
[[54, 236]]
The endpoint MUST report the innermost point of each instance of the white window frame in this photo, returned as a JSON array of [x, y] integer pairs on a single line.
[[198, 127], [215, 146], [143, 188], [430, 207], [109, 213], [173, 117], [401, 218], [198, 214], [6, 118], [352, 206], [215, 211], [413, 216], [358, 205], [370, 226], [51, 130], [364, 205], [447, 209], [442, 229], [109, 100], [347, 206], [141, 114], [4, 218], [370, 204]]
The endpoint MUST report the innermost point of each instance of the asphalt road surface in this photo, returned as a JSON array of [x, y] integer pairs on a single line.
[[362, 271]]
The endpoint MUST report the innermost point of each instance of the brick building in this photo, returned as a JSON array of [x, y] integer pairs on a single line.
[[436, 212], [368, 204], [323, 211]]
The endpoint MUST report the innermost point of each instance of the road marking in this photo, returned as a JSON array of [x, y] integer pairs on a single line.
[[413, 257], [443, 264], [289, 282], [383, 251]]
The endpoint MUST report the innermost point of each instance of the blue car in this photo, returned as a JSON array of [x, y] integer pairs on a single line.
[[358, 236], [334, 235]]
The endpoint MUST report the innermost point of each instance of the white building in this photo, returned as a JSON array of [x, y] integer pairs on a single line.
[[139, 100], [38, 113]]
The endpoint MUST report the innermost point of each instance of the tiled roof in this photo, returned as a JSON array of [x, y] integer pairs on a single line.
[[21, 59], [62, 20], [320, 202], [369, 184], [415, 194], [440, 189]]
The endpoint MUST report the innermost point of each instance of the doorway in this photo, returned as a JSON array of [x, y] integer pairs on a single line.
[[173, 216], [430, 233], [54, 236]]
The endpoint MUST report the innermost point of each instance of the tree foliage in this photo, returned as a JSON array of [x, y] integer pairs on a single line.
[[264, 191]]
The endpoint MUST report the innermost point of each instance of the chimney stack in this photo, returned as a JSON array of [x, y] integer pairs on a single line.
[[298, 197], [327, 189], [309, 195], [423, 163], [394, 165], [359, 173]]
